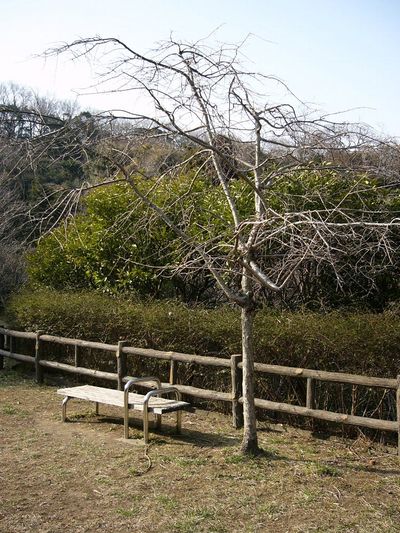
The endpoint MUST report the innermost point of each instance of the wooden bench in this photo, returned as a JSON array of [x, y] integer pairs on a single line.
[[152, 402]]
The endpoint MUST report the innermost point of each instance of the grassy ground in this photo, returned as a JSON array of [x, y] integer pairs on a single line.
[[83, 477]]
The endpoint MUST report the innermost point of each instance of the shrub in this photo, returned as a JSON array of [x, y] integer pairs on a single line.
[[356, 343], [117, 245], [363, 343]]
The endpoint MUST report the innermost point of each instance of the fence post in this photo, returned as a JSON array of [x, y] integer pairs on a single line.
[[398, 414], [354, 394], [121, 364], [310, 402], [236, 380], [38, 355], [2, 348], [76, 356], [173, 371]]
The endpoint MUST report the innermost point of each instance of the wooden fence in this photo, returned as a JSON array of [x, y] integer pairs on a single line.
[[121, 352]]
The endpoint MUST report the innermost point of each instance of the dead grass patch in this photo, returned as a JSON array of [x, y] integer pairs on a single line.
[[82, 476]]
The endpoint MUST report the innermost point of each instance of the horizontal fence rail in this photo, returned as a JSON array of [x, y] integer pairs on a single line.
[[121, 352]]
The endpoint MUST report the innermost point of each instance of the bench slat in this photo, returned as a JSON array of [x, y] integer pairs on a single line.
[[116, 397]]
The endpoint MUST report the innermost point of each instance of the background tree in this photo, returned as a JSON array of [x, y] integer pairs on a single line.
[[42, 156]]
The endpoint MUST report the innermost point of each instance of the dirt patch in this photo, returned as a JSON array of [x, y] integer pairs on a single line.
[[82, 476]]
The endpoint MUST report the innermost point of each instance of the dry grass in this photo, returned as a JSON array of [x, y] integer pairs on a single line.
[[82, 476]]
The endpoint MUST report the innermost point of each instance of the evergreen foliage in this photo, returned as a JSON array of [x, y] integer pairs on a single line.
[[118, 245]]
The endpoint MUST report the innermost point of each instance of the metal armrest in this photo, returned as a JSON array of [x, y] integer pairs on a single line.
[[128, 385], [159, 392]]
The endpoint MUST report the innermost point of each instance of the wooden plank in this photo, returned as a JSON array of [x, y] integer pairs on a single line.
[[204, 393], [321, 375], [329, 416], [18, 356], [19, 334], [191, 391], [79, 342], [80, 370], [176, 356], [115, 397]]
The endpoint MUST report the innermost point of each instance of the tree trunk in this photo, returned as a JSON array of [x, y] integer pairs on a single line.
[[250, 441]]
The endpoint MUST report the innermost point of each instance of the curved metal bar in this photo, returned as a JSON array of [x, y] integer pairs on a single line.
[[127, 386], [159, 392]]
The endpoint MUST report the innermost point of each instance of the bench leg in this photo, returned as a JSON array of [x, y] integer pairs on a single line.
[[158, 421], [96, 408], [64, 408], [178, 421], [146, 423], [126, 422]]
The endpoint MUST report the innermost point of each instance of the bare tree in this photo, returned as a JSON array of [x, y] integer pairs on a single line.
[[13, 216], [201, 97]]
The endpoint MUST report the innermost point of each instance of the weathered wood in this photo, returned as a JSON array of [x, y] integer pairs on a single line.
[[310, 401], [18, 334], [236, 384], [114, 397], [354, 391], [204, 393], [173, 371], [38, 356], [373, 423], [398, 414], [176, 356], [79, 370], [18, 356], [121, 365], [192, 391], [78, 342], [321, 375], [2, 338], [76, 355]]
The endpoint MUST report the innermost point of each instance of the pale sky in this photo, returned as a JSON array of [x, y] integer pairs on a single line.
[[336, 55]]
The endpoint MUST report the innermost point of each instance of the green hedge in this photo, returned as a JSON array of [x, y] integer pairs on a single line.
[[359, 343]]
